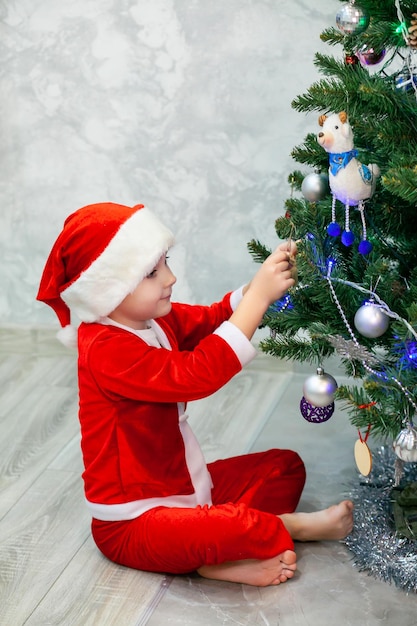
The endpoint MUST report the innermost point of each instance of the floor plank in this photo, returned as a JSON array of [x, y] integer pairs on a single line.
[[50, 570], [92, 591], [51, 573], [37, 421], [40, 535]]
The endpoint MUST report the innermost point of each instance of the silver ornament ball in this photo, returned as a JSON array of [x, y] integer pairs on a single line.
[[351, 18], [315, 187], [371, 321], [320, 388], [405, 444]]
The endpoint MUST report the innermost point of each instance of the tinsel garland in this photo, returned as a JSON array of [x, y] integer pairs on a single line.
[[377, 548]]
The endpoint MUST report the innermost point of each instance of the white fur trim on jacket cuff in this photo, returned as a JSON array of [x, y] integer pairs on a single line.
[[235, 297], [239, 343]]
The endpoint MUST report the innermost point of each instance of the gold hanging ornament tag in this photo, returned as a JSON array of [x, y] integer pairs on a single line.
[[291, 258], [363, 455]]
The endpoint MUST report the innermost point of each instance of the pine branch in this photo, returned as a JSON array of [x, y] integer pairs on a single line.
[[258, 251], [386, 10], [402, 181], [362, 412], [311, 153], [365, 94], [293, 348], [330, 66], [332, 36], [323, 96], [381, 35]]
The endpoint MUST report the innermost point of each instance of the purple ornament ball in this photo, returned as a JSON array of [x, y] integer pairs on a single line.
[[368, 56], [316, 414]]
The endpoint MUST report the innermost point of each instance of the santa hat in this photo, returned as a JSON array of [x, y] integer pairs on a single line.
[[101, 255]]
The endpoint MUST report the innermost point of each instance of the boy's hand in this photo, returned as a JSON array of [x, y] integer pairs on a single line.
[[270, 283], [275, 276]]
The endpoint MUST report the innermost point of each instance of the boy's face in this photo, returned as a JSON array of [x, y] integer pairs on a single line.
[[151, 298]]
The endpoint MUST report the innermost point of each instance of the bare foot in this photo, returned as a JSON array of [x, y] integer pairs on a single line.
[[336, 522], [252, 572]]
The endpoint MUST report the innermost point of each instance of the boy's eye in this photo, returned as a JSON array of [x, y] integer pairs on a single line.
[[154, 271]]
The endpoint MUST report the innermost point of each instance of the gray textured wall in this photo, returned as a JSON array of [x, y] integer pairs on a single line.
[[183, 105]]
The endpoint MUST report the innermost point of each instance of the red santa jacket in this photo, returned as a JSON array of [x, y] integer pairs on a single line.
[[138, 450]]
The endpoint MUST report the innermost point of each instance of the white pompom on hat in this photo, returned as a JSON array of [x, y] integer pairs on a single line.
[[101, 255]]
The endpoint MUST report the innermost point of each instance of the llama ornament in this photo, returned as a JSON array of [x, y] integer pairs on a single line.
[[351, 182]]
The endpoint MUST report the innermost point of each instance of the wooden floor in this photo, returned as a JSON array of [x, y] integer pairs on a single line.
[[50, 570], [52, 574]]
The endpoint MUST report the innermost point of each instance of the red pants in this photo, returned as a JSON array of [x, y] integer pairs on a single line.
[[249, 492]]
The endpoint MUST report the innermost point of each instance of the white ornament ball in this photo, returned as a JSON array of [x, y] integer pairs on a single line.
[[315, 187], [405, 444], [371, 321], [319, 389]]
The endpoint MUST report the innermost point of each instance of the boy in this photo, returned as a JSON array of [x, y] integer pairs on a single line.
[[154, 502]]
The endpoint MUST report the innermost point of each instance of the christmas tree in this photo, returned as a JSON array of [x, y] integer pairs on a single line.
[[352, 210]]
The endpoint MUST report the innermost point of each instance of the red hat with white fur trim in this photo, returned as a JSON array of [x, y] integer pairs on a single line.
[[101, 255]]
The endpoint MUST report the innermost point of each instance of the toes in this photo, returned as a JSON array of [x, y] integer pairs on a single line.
[[288, 558], [284, 576]]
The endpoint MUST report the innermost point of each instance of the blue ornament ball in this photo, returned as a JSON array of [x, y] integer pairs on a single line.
[[365, 247], [348, 237], [334, 229]]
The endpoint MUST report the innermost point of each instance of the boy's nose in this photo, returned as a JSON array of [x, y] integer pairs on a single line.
[[171, 278]]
